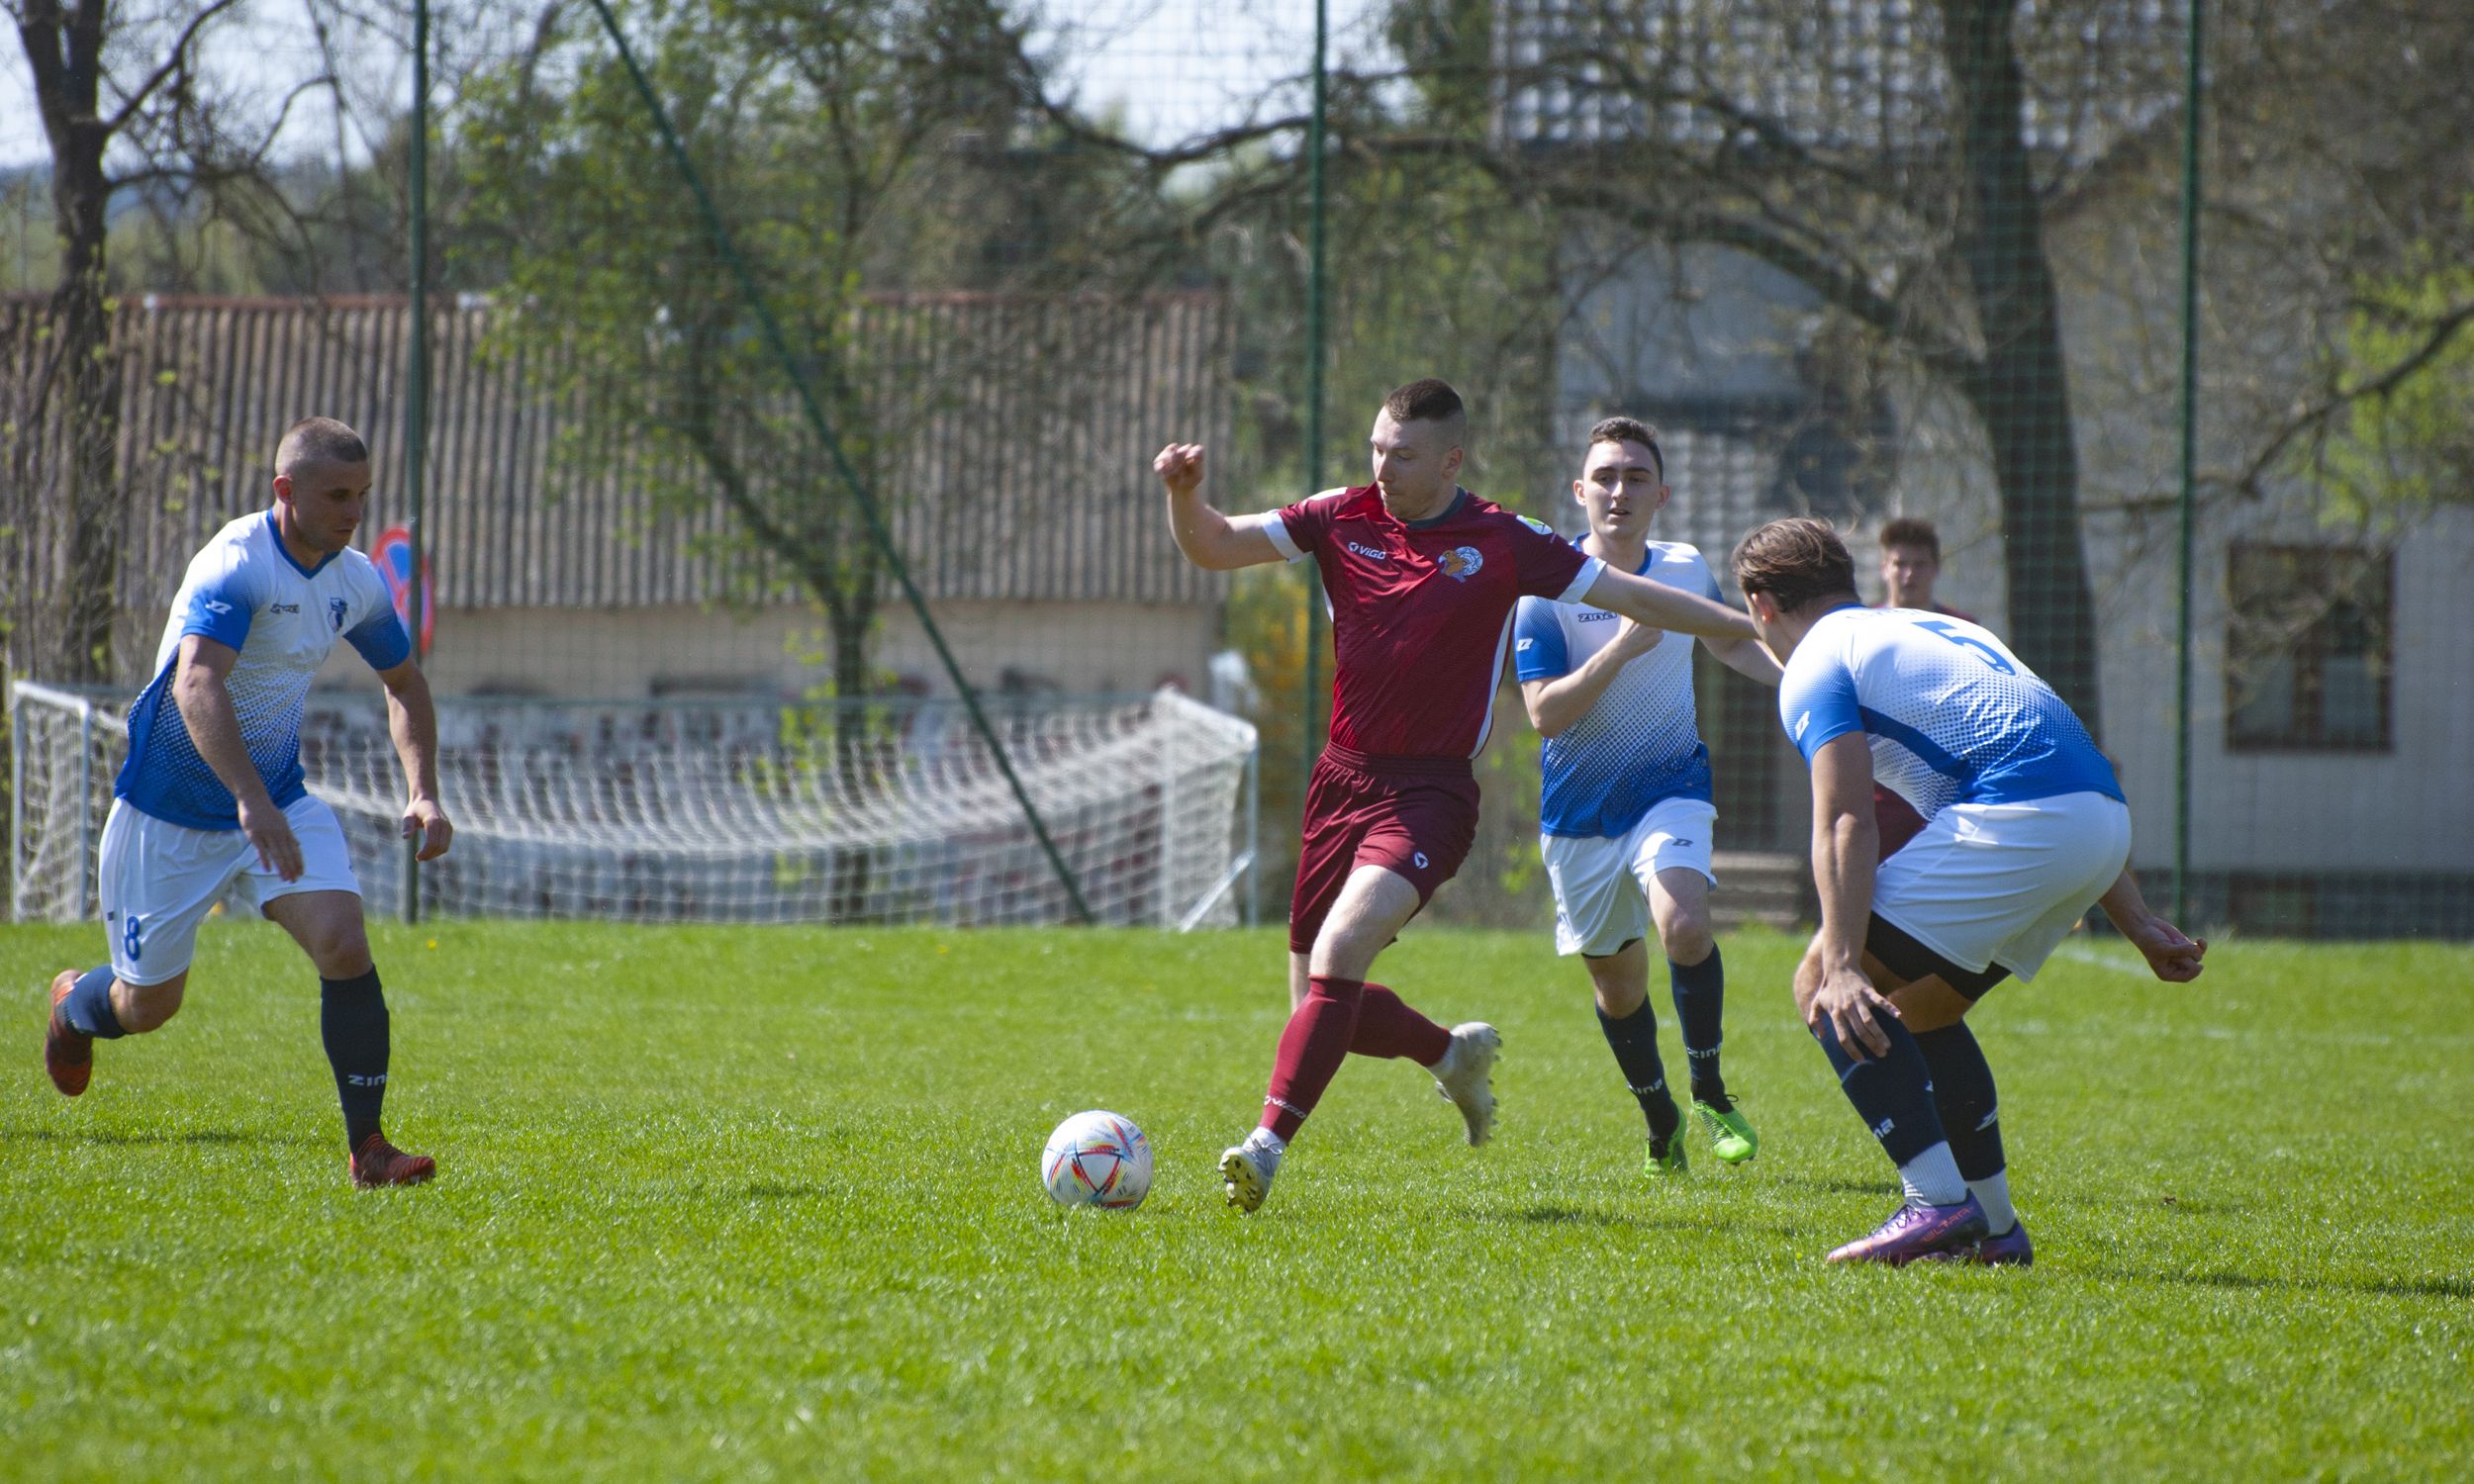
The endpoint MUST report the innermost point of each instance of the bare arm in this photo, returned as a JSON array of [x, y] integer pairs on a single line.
[[413, 721], [1558, 702], [1207, 537], [1847, 848], [1658, 606], [1746, 657], [2170, 955], [204, 701]]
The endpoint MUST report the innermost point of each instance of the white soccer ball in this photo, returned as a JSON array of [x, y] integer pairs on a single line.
[[1097, 1159]]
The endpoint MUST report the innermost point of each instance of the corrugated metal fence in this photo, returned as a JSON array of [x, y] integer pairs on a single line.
[[1026, 477]]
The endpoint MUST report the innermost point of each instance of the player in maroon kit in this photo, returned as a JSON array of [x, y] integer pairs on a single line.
[[1911, 560], [1422, 578]]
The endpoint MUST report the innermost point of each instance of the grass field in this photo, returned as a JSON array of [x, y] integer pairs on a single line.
[[732, 1204]]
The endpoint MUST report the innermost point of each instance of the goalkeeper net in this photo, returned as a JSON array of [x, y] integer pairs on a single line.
[[871, 812]]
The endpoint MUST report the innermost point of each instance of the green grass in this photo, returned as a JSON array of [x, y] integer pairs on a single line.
[[763, 1204]]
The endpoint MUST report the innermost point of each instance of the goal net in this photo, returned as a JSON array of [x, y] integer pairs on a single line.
[[868, 812]]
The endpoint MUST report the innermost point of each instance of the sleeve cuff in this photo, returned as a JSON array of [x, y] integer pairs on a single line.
[[1584, 581], [382, 644], [1272, 525]]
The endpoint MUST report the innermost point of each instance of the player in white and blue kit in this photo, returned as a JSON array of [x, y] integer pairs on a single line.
[[213, 788], [2025, 830], [1625, 815]]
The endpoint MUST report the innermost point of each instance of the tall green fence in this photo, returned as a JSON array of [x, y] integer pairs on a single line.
[[793, 371]]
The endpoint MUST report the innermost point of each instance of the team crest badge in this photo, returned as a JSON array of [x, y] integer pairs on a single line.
[[335, 610], [1460, 563]]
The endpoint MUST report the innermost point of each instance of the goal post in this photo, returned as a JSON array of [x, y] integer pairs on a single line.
[[878, 811]]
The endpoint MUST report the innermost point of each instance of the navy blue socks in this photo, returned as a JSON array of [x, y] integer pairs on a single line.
[[1701, 999], [1893, 1094], [88, 1007], [1963, 1092], [1634, 1040], [352, 1018]]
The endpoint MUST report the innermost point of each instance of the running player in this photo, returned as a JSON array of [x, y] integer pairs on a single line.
[[2025, 830], [1422, 577], [213, 788], [1625, 815]]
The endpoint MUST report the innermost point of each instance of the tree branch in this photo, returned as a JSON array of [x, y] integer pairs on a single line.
[[1843, 287], [177, 61], [2441, 332]]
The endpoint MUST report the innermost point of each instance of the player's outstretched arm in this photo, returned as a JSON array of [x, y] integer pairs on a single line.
[[1658, 606], [2170, 955], [413, 721], [205, 702], [1209, 539], [1748, 658]]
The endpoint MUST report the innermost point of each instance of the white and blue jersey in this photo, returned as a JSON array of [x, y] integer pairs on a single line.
[[1950, 715], [1640, 743], [245, 590]]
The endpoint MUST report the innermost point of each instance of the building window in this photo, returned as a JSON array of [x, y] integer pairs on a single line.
[[2308, 648]]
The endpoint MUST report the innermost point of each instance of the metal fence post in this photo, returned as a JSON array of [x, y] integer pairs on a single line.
[[417, 377], [2191, 94], [1315, 332], [86, 803], [1254, 832], [16, 804]]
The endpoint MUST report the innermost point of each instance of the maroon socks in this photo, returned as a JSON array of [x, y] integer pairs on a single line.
[[1337, 1017]]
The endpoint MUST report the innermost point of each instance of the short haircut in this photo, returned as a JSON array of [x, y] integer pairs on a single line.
[[1631, 431], [319, 440], [1796, 562], [1430, 399], [1907, 530]]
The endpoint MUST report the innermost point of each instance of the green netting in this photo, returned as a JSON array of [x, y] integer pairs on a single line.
[[1871, 259]]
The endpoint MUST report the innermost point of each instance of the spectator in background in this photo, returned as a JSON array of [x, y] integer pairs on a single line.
[[1911, 560]]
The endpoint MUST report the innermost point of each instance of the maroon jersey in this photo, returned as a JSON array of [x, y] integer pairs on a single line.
[[1421, 614]]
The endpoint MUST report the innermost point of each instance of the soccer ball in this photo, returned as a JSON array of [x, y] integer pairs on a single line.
[[1097, 1159]]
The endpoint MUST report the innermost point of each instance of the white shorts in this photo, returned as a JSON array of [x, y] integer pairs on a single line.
[[1602, 886], [159, 879], [2004, 883]]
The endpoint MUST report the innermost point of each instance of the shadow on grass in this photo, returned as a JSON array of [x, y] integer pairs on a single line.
[[1552, 1215], [1838, 1186], [2244, 1282], [764, 1190], [117, 1139]]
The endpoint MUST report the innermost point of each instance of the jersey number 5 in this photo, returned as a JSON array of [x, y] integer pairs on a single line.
[[1992, 656]]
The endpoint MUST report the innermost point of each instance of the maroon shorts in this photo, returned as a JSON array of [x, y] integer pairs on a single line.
[[1416, 818]]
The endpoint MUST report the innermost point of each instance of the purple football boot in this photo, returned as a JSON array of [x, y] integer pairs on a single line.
[[2010, 1249], [1914, 1232]]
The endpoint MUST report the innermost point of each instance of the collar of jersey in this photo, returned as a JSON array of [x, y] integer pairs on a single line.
[[1460, 496], [274, 534]]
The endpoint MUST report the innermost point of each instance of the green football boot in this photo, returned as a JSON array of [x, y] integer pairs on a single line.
[[1660, 1166], [1731, 1137]]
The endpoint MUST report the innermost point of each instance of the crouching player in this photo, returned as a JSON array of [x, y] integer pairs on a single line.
[[1625, 814], [213, 788], [2025, 829]]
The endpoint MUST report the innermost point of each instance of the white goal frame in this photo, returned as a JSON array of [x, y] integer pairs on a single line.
[[881, 812]]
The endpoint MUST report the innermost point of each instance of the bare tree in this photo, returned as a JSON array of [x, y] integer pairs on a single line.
[[126, 105]]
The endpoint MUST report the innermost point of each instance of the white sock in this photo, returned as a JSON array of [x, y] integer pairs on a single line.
[[1993, 1194], [1932, 1178], [1450, 1057]]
